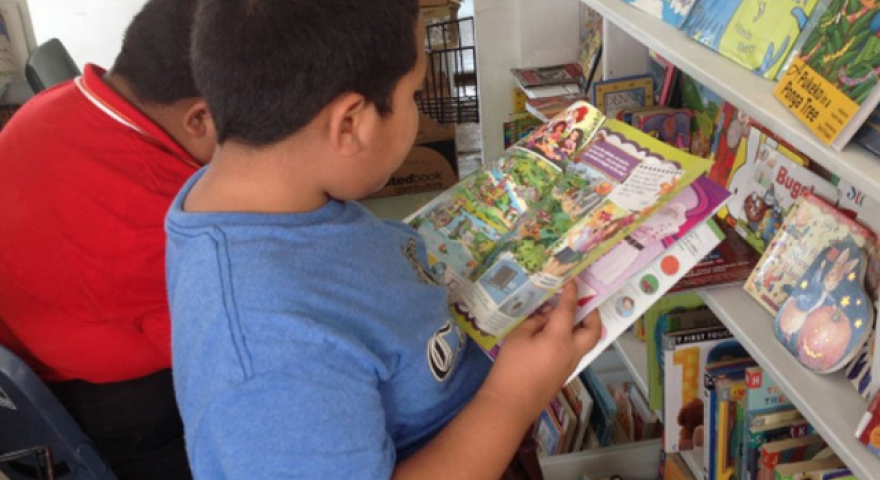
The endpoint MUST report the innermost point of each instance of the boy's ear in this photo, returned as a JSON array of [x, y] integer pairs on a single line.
[[197, 120], [351, 122]]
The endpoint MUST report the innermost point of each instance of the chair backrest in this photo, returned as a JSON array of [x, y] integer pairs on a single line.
[[31, 416], [49, 64]]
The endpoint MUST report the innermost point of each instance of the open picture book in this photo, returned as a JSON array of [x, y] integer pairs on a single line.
[[508, 236]]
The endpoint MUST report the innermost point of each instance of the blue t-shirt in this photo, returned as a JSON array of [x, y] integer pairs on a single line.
[[311, 345]]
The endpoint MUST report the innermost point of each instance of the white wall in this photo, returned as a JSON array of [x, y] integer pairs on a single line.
[[90, 29]]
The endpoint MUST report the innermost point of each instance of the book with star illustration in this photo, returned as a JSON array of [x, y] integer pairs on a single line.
[[511, 234], [812, 226]]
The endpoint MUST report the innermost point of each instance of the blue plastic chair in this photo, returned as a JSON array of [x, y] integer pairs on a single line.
[[38, 437]]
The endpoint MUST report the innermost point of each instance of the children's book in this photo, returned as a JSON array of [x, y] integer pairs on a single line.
[[729, 424], [831, 86], [671, 126], [810, 227], [717, 373], [628, 302], [868, 135], [677, 469], [731, 129], [547, 75], [590, 52], [519, 126], [732, 261], [868, 429], [685, 355], [665, 77], [510, 235], [860, 372], [765, 188], [828, 316], [762, 398], [582, 403], [610, 96], [691, 207], [604, 414], [764, 198], [546, 108], [810, 25], [757, 34], [673, 12], [808, 469], [647, 424], [756, 143], [784, 424], [785, 451], [549, 431], [661, 318], [706, 108]]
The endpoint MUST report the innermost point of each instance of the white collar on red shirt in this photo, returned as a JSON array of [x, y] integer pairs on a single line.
[[91, 85]]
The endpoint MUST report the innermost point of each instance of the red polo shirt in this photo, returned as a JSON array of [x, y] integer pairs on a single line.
[[85, 182]]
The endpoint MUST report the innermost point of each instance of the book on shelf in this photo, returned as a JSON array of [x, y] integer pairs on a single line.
[[604, 414], [732, 261], [729, 424], [730, 131], [807, 469], [564, 73], [612, 95], [785, 424], [665, 77], [670, 125], [663, 317], [673, 12], [685, 355], [582, 403], [590, 51], [510, 235], [831, 85], [811, 226], [868, 429], [757, 34], [785, 451], [716, 374], [545, 108], [828, 316], [861, 372], [551, 90], [705, 106], [519, 126], [809, 25]]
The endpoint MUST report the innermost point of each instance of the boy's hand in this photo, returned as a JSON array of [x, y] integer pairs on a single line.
[[539, 355]]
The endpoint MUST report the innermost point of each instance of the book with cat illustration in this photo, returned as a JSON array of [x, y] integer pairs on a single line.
[[511, 234]]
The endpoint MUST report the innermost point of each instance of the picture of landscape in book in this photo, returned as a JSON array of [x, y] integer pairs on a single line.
[[510, 234], [844, 47]]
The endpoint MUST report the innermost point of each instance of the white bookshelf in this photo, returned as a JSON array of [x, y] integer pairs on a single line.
[[738, 85], [829, 402], [634, 355]]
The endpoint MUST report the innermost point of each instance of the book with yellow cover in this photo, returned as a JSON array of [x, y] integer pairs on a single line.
[[831, 85]]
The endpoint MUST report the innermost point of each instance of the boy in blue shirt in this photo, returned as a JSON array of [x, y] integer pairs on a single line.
[[309, 339]]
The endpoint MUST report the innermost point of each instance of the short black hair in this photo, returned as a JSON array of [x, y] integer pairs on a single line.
[[267, 67], [154, 57]]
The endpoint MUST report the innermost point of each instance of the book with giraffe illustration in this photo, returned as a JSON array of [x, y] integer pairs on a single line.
[[831, 85], [511, 234]]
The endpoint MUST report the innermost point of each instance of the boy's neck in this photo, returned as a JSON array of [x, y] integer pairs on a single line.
[[262, 180]]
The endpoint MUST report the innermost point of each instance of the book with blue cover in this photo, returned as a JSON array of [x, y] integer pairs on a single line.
[[673, 12]]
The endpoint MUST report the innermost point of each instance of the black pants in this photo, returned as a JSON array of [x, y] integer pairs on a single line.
[[135, 425]]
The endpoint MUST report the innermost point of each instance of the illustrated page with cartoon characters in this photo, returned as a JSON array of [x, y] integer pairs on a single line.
[[556, 218]]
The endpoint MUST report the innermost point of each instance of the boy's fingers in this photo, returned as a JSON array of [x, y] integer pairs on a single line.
[[562, 318], [588, 333]]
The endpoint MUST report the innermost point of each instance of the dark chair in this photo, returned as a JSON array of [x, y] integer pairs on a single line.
[[38, 437], [49, 64]]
